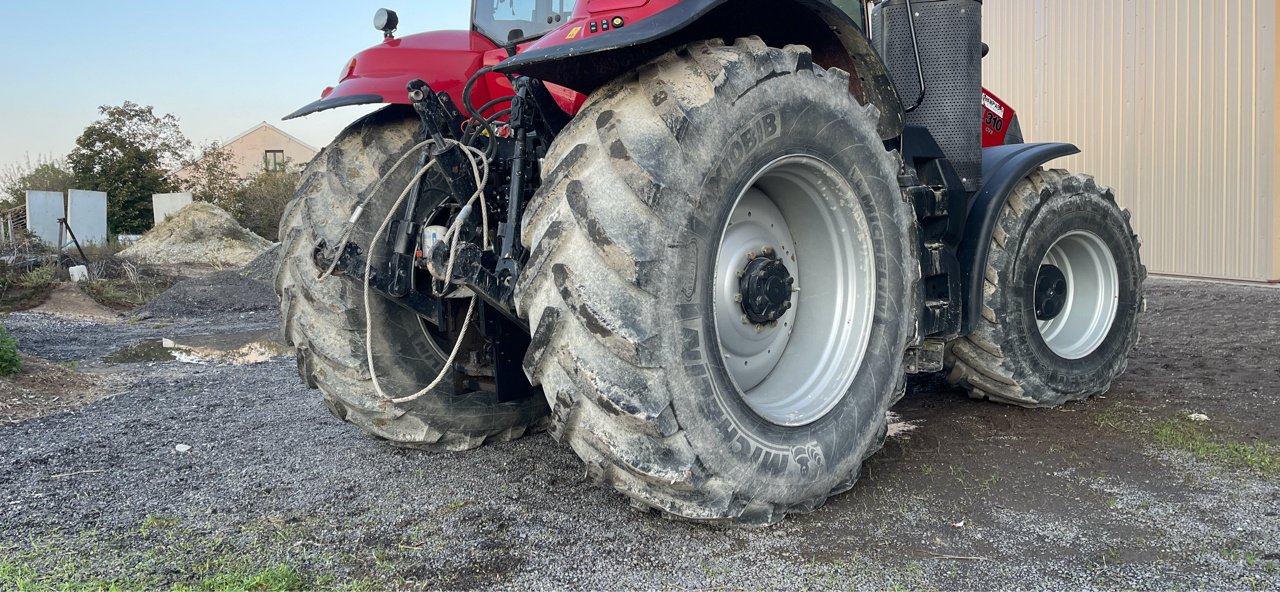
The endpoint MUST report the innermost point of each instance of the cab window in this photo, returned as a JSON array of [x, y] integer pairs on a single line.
[[508, 21]]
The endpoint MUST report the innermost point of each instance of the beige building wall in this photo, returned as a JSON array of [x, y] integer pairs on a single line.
[[251, 147], [1174, 104]]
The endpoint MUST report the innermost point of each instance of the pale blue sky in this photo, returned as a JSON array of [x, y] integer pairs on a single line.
[[220, 66]]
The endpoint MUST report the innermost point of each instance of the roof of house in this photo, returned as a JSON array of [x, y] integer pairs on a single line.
[[275, 129]]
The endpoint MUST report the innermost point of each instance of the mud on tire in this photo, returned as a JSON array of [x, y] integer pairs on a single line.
[[1013, 356], [325, 321], [625, 235]]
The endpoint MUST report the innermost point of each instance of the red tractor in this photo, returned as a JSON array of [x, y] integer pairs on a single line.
[[700, 241]]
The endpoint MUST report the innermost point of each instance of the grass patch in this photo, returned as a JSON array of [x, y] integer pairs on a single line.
[[10, 360], [14, 576], [23, 578], [121, 285], [23, 290], [1199, 440], [162, 554], [123, 294], [151, 523], [280, 577]]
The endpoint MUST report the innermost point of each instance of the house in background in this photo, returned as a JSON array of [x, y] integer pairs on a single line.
[[263, 146]]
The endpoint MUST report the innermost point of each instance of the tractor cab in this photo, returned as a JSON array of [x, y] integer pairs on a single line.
[[512, 21]]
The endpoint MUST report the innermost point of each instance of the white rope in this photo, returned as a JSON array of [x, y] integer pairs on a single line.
[[350, 226], [481, 179]]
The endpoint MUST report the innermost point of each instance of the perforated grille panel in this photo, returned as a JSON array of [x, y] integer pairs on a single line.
[[950, 37]]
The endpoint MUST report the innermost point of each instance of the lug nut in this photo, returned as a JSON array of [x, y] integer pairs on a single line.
[[745, 321], [786, 305], [737, 298]]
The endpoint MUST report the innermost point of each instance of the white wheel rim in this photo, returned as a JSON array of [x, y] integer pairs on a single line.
[[1092, 295], [792, 372]]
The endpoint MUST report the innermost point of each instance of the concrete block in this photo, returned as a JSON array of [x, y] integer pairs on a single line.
[[43, 210], [79, 273], [164, 205], [87, 215]]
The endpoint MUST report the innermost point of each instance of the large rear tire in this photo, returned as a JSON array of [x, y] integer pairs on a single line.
[[681, 207], [1062, 298], [325, 319]]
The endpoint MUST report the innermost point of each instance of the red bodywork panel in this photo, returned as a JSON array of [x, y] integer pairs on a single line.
[[447, 59], [598, 17], [997, 116], [443, 59]]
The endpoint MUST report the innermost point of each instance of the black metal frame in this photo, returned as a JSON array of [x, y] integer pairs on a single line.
[[534, 120]]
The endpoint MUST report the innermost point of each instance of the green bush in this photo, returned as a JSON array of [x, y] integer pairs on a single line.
[[10, 361], [38, 277]]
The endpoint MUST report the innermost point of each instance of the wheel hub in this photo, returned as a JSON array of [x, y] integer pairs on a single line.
[[1077, 294], [765, 288], [794, 291], [1051, 292]]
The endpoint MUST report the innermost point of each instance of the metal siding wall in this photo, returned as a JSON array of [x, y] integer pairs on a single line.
[[1173, 103], [1271, 150]]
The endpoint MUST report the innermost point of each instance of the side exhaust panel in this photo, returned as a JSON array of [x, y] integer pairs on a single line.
[[948, 34]]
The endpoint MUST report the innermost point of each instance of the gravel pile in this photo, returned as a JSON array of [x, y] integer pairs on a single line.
[[199, 234], [220, 292]]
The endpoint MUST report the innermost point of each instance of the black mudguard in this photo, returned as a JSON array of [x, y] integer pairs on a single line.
[[835, 39], [1003, 167]]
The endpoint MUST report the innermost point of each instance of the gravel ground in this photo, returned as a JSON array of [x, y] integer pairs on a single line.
[[971, 495]]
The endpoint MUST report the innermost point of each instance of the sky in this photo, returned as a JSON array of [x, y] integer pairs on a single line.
[[220, 66]]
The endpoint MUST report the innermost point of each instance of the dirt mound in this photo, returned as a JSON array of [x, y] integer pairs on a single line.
[[224, 291], [43, 388], [68, 300], [199, 234]]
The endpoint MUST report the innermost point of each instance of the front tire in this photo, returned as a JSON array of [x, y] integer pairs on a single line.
[[325, 319], [710, 162], [1062, 298]]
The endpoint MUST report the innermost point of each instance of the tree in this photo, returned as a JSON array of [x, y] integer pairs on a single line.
[[45, 174], [211, 176], [128, 153], [261, 202]]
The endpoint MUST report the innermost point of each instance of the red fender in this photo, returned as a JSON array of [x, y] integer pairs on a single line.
[[446, 60]]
